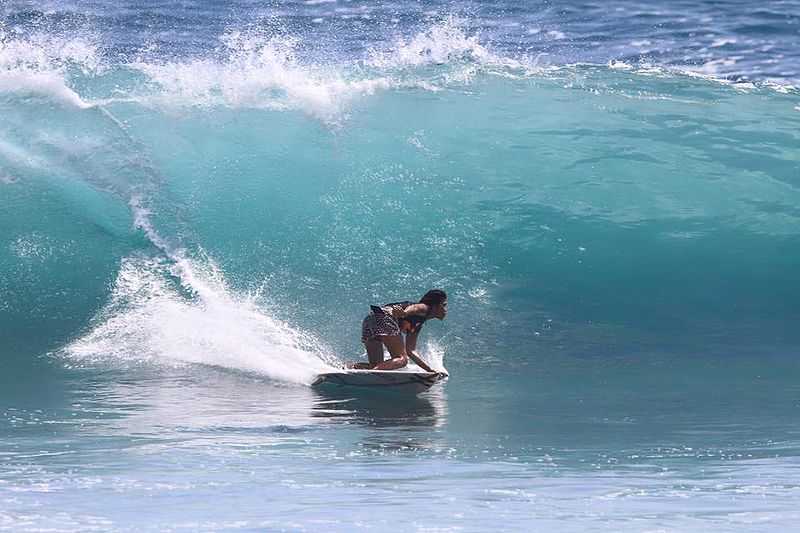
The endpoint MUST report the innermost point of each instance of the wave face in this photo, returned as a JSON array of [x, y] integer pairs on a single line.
[[239, 202]]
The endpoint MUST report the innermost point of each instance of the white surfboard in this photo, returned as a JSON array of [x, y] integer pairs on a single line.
[[405, 380]]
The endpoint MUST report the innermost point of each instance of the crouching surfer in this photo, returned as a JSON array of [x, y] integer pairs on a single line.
[[396, 326]]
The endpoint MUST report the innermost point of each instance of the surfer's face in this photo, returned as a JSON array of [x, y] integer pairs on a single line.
[[440, 311]]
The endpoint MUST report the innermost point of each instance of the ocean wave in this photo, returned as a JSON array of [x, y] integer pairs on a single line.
[[454, 163]]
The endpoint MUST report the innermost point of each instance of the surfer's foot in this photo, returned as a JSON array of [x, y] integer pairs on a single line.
[[359, 366]]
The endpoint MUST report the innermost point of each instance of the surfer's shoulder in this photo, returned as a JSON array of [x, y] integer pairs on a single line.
[[416, 309]]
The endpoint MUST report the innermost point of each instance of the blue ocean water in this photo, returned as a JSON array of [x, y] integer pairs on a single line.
[[199, 201]]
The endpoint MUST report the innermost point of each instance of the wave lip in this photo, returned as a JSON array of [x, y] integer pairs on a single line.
[[261, 71], [257, 72], [42, 64], [48, 84], [256, 69], [447, 43]]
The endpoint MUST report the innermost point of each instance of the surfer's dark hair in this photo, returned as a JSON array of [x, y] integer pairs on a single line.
[[433, 297]]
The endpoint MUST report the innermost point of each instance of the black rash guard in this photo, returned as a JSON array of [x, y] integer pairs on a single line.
[[407, 324]]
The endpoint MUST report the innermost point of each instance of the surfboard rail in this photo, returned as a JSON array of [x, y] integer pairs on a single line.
[[388, 380]]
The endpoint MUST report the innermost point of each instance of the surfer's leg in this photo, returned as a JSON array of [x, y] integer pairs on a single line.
[[371, 341], [397, 349], [374, 351]]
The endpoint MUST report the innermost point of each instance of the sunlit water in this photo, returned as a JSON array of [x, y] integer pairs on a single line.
[[681, 446]]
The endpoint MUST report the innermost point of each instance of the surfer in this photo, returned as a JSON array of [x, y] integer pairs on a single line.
[[386, 325]]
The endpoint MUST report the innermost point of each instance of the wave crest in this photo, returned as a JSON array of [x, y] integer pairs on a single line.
[[258, 72], [43, 64]]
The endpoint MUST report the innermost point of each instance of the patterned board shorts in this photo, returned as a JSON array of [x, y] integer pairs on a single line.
[[377, 325]]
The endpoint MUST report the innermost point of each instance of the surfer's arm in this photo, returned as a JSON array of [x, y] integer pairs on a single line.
[[411, 345], [411, 341]]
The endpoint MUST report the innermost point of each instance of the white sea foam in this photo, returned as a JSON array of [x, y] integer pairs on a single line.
[[440, 44], [152, 319], [780, 86], [257, 72], [39, 64], [444, 43], [41, 51], [444, 55], [707, 72], [45, 83], [723, 42], [434, 353], [619, 65]]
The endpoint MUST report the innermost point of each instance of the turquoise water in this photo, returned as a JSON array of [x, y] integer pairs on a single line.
[[193, 228]]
